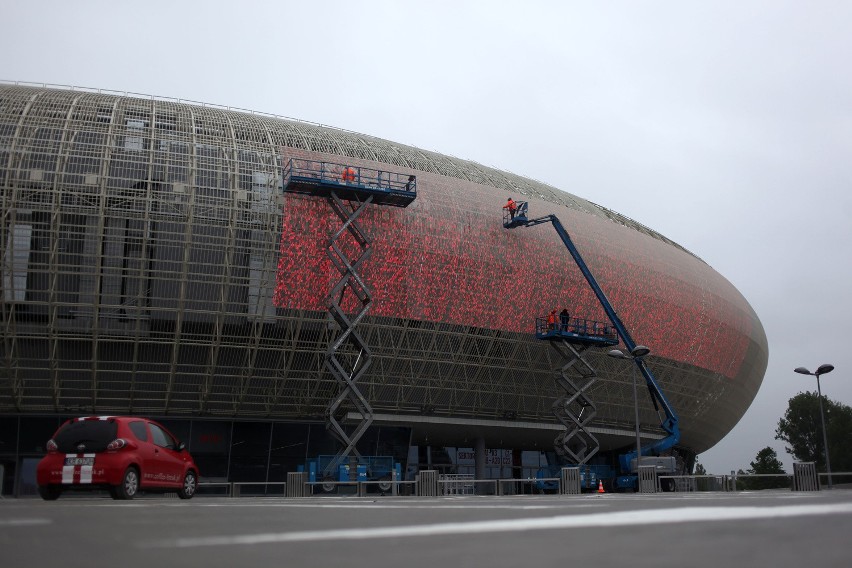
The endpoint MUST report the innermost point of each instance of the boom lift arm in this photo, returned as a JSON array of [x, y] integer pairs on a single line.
[[670, 423]]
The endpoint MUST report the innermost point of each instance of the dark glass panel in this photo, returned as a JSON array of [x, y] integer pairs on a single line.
[[35, 432], [209, 445], [250, 451], [8, 435], [288, 451]]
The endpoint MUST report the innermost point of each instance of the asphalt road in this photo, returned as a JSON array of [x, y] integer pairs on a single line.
[[770, 528]]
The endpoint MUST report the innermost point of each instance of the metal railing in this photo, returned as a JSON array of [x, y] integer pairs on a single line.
[[577, 326], [451, 485], [457, 484], [343, 174], [809, 480]]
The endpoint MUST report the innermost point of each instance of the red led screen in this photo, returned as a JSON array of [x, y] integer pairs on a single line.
[[447, 258]]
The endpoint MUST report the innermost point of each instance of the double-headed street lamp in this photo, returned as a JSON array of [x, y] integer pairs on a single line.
[[636, 354], [821, 370]]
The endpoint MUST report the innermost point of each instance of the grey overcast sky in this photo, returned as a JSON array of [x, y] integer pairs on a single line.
[[725, 125]]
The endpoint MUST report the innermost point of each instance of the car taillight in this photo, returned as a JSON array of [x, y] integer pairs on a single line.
[[51, 446], [116, 444]]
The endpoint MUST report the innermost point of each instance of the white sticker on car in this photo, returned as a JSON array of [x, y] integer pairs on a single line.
[[68, 473], [78, 468]]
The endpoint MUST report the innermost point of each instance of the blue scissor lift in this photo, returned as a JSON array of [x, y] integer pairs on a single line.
[[575, 410], [348, 190]]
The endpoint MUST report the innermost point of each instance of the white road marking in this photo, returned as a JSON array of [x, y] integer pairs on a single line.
[[658, 516], [431, 507], [23, 522]]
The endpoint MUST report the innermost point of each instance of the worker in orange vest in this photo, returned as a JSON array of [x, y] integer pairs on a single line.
[[512, 207], [348, 174], [551, 319]]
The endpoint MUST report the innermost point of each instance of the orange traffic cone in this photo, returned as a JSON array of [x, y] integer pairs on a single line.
[[600, 487]]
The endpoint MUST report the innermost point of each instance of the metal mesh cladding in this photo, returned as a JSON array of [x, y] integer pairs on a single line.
[[141, 260]]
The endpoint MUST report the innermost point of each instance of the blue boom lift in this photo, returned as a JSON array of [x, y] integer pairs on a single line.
[[628, 461]]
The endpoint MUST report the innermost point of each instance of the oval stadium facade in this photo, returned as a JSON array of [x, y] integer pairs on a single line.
[[152, 264]]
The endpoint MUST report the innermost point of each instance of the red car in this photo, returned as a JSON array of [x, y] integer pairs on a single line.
[[123, 454]]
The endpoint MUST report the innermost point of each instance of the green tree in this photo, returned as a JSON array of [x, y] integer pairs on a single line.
[[767, 461], [801, 429]]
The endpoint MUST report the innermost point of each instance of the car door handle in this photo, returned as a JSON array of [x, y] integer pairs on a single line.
[[156, 451]]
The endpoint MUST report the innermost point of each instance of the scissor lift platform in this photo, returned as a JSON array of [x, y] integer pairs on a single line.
[[350, 183], [577, 330]]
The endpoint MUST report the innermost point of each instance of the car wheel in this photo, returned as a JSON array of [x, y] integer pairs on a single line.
[[129, 486], [190, 484], [49, 492]]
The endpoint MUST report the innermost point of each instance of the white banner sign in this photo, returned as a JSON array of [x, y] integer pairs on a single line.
[[498, 458]]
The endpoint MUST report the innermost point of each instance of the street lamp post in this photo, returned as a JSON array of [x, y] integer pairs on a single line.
[[821, 370], [635, 355]]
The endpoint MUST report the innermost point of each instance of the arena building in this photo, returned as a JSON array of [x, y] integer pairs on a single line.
[[153, 264]]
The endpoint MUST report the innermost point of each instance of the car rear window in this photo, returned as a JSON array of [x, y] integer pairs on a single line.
[[139, 430], [86, 436]]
